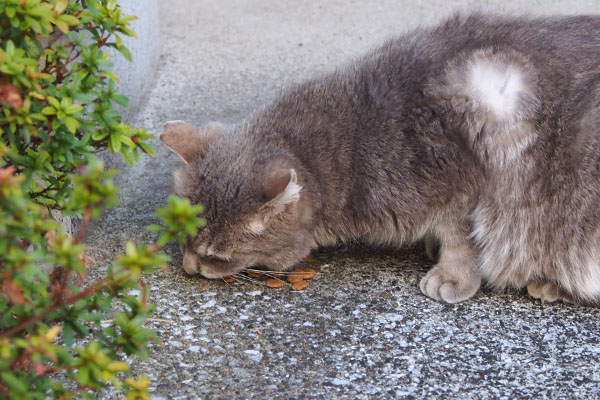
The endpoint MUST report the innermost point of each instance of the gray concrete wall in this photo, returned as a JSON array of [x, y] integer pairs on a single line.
[[136, 77]]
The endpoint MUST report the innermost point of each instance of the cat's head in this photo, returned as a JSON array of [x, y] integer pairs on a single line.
[[257, 212]]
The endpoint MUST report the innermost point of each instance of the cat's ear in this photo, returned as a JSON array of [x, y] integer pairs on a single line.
[[187, 141], [281, 189]]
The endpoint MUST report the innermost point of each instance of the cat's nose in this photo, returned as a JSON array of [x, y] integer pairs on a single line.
[[190, 263]]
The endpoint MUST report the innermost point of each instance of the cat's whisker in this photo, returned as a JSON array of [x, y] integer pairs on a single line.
[[243, 277], [250, 280], [274, 277], [265, 272]]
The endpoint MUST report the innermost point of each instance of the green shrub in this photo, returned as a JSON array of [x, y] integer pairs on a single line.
[[57, 98]]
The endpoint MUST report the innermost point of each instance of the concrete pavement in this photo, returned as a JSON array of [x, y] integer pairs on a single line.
[[361, 329]]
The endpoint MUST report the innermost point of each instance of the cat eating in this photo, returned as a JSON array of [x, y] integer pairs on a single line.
[[480, 135]]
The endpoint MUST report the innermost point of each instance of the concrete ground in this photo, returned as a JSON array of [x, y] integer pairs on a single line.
[[361, 329]]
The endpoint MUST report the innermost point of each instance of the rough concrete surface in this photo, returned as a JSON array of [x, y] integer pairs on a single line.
[[136, 77], [361, 329]]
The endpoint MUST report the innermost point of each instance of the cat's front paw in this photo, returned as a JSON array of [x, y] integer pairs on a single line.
[[451, 284]]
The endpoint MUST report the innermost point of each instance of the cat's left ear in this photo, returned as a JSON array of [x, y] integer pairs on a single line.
[[281, 189], [188, 141]]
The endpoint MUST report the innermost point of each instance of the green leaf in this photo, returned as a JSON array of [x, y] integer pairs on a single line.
[[114, 143], [48, 110], [34, 24], [155, 228], [54, 102], [60, 6], [15, 384], [99, 135], [69, 20], [125, 52], [10, 48], [110, 75], [146, 148], [62, 26], [74, 108], [71, 123], [121, 100]]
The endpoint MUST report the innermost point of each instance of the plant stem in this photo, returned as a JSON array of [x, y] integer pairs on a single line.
[[69, 300]]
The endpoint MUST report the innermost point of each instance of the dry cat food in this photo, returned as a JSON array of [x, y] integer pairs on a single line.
[[300, 285], [308, 258], [295, 277], [274, 283], [307, 273], [298, 277]]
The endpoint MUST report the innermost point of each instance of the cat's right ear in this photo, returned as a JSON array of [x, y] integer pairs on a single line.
[[187, 141]]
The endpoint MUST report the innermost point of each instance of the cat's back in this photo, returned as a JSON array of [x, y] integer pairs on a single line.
[[555, 45]]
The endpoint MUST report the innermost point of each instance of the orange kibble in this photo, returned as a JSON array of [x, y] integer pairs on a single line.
[[300, 285], [229, 279], [255, 275], [307, 273], [274, 283], [295, 277], [308, 258]]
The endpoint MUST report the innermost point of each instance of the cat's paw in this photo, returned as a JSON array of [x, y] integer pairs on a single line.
[[547, 292], [450, 285]]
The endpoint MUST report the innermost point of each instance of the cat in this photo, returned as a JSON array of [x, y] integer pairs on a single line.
[[480, 135]]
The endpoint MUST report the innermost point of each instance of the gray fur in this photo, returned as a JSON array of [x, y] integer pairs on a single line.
[[482, 134]]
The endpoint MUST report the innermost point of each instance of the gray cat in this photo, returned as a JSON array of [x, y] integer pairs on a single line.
[[481, 135]]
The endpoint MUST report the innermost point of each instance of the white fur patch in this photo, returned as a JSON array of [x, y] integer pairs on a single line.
[[591, 282], [498, 86], [290, 194], [292, 190], [211, 252], [585, 283], [255, 227]]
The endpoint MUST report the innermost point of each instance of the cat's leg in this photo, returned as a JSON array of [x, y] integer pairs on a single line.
[[548, 293], [432, 246], [456, 276]]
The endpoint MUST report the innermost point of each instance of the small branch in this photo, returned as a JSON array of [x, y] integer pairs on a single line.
[[170, 321], [72, 393], [144, 294], [69, 300], [84, 224], [52, 369]]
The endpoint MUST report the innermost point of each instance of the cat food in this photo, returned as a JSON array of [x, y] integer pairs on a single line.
[[295, 277], [229, 279], [308, 258], [300, 285], [306, 273], [274, 283], [255, 275]]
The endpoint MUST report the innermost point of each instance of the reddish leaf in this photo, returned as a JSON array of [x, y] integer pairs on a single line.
[[13, 291], [39, 368], [10, 94], [6, 173]]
